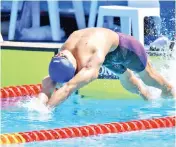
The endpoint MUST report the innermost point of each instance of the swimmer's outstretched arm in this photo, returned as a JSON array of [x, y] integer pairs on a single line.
[[83, 77], [47, 86]]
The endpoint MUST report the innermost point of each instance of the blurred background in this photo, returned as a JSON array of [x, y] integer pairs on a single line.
[[33, 19]]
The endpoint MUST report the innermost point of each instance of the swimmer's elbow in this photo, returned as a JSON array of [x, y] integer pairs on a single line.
[[87, 76], [93, 75]]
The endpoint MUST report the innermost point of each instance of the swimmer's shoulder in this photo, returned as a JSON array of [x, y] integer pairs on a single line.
[[114, 37]]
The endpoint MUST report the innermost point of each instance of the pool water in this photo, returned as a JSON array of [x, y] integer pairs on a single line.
[[154, 138], [77, 111]]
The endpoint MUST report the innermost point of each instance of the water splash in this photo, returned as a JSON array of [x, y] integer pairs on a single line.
[[168, 69], [168, 23], [35, 104], [166, 64]]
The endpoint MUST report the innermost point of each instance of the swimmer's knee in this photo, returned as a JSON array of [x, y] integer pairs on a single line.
[[149, 71], [127, 74], [128, 86], [131, 82]]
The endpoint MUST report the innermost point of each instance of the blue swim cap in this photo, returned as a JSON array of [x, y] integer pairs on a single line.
[[61, 69]]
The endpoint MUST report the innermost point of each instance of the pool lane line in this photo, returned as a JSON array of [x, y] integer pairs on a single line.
[[13, 138], [23, 90], [89, 130], [16, 91]]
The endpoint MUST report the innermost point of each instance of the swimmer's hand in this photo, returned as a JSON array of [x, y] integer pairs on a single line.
[[37, 104], [42, 98]]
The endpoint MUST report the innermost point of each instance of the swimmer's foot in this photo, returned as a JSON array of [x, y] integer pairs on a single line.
[[169, 93], [150, 95]]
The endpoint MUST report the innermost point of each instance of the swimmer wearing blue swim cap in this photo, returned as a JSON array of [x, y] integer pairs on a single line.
[[61, 67], [93, 53]]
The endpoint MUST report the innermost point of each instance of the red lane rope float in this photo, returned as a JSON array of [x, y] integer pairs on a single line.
[[90, 130], [16, 91]]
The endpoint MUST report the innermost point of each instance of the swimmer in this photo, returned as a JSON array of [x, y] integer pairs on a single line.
[[89, 52]]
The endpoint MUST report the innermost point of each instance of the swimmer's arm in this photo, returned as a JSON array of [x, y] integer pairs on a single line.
[[82, 78], [47, 86]]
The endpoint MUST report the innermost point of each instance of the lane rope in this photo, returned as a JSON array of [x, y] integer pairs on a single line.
[[17, 91], [89, 130]]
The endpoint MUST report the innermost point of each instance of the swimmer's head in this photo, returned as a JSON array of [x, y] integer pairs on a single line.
[[62, 67]]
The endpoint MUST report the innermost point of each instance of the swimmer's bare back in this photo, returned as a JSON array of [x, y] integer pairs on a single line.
[[86, 43]]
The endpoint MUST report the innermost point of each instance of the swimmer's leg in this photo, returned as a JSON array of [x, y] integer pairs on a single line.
[[133, 84], [152, 78], [127, 78]]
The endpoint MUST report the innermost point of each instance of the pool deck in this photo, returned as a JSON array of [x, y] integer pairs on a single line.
[[30, 45], [53, 47]]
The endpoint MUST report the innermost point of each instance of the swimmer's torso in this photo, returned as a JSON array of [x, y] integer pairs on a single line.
[[87, 42]]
